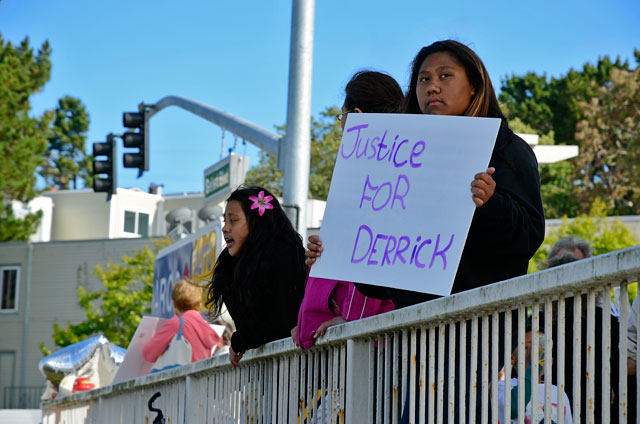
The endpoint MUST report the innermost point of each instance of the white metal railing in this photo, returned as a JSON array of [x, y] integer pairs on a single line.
[[438, 361]]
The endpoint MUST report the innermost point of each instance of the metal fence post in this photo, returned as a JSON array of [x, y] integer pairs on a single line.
[[358, 366]]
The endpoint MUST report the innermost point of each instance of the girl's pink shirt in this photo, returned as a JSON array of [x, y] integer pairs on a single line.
[[195, 329], [349, 303]]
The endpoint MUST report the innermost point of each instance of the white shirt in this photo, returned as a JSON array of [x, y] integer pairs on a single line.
[[568, 419]]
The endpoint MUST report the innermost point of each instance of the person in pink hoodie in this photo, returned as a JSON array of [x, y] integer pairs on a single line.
[[187, 300], [331, 302]]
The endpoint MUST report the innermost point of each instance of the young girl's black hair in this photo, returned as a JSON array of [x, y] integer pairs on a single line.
[[270, 235]]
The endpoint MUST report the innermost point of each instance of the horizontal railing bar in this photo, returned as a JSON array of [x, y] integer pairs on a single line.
[[593, 272]]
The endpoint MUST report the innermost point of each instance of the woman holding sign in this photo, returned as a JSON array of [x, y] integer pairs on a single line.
[[448, 78]]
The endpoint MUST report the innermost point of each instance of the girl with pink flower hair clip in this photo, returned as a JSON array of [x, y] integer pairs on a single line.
[[260, 274]]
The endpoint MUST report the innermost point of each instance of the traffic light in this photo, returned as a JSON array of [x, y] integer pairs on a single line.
[[108, 166], [136, 137]]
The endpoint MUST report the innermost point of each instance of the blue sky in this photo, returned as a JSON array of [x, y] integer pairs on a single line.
[[234, 55]]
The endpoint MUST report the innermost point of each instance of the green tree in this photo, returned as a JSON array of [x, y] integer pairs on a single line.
[[67, 160], [554, 103], [609, 136], [266, 174], [23, 138], [555, 106], [325, 141], [116, 310], [602, 233], [556, 180]]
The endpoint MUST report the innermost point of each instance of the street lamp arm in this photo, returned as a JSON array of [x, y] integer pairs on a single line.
[[256, 135]]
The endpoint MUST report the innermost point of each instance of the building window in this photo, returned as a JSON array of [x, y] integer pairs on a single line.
[[143, 224], [9, 283], [136, 223], [129, 222]]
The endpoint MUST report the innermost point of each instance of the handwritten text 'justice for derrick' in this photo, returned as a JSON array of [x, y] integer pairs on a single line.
[[373, 248]]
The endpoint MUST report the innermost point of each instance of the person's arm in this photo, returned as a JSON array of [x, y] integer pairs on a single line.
[[512, 219], [160, 341]]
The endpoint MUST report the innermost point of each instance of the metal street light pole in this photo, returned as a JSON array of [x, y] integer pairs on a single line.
[[296, 153]]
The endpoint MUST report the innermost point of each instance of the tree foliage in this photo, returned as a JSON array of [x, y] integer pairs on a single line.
[[555, 178], [116, 310], [66, 160], [556, 108], [23, 138], [609, 136], [325, 140], [602, 233]]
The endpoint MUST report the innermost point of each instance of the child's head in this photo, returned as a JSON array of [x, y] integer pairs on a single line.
[[258, 233], [186, 295], [253, 216], [528, 342]]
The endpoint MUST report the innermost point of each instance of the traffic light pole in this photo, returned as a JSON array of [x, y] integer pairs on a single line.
[[297, 144], [262, 138]]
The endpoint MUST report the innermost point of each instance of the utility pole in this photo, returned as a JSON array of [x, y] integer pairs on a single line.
[[295, 156]]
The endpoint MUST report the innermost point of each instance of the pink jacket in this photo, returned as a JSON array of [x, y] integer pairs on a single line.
[[195, 329], [315, 309]]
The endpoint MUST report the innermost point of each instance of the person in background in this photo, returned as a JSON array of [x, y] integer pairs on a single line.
[[566, 250], [632, 335], [632, 365], [222, 347], [539, 359], [187, 300], [570, 249], [260, 274], [330, 302], [371, 92]]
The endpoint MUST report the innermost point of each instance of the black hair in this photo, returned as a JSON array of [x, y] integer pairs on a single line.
[[484, 102], [562, 251], [269, 235], [373, 92]]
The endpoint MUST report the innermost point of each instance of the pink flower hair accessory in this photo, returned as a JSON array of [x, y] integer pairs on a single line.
[[261, 202]]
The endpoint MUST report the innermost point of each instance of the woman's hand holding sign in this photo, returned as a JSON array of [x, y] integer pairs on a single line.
[[483, 187], [314, 250]]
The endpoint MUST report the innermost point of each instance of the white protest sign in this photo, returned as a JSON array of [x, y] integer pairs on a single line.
[[399, 206], [133, 365]]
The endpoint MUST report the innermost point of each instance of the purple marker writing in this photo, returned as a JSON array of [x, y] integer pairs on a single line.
[[379, 196], [387, 249], [400, 152]]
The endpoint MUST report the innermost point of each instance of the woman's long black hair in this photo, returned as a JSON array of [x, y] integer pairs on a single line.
[[269, 235]]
